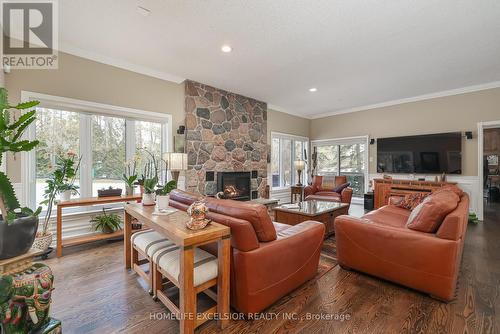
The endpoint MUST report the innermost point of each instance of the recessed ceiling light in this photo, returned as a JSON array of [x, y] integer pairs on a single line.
[[313, 89], [226, 49], [143, 11]]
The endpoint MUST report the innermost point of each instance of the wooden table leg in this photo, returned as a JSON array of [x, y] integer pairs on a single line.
[[59, 231], [127, 233], [187, 296], [224, 256]]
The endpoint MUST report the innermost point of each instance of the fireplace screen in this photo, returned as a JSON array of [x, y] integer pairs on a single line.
[[234, 185]]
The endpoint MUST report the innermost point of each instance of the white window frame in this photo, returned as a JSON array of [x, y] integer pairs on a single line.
[[293, 138], [347, 141], [86, 109]]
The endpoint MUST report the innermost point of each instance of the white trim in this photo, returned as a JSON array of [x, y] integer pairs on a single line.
[[84, 106], [480, 151], [71, 49], [287, 136], [451, 92]]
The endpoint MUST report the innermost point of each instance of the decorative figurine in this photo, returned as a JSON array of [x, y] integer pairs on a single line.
[[198, 212]]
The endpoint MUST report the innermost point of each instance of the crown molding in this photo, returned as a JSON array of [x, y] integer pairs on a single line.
[[75, 51], [283, 110], [458, 91]]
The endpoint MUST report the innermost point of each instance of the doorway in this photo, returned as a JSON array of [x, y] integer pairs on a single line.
[[489, 168]]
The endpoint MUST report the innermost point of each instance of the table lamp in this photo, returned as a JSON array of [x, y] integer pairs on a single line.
[[300, 165], [176, 162]]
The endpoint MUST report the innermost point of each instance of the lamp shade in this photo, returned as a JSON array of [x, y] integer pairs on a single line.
[[299, 165], [176, 161]]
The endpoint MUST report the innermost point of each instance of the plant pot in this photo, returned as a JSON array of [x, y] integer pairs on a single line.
[[107, 230], [43, 242], [148, 199], [65, 195], [162, 202], [17, 237], [129, 191]]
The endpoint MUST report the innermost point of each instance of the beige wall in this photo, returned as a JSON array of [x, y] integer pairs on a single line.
[[88, 80], [445, 114], [285, 123]]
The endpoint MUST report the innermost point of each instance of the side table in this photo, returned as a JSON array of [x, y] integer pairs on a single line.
[[296, 191]]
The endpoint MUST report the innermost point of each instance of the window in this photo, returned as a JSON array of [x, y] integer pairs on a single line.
[[344, 157], [105, 141], [285, 149], [108, 152]]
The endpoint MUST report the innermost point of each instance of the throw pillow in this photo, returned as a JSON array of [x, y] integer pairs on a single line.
[[339, 189], [428, 215], [410, 201], [327, 183]]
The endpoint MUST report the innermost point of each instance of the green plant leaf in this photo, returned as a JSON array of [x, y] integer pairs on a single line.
[[26, 105], [4, 103], [7, 193], [23, 118]]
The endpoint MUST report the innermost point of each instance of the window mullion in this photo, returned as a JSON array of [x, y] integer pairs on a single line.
[[86, 153]]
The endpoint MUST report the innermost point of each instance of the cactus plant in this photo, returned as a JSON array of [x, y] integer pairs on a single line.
[[11, 131]]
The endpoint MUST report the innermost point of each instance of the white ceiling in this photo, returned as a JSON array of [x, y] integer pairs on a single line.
[[356, 52]]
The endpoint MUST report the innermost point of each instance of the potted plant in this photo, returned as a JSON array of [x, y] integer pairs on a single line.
[[18, 226], [106, 223], [130, 176], [67, 169], [148, 198], [162, 194], [62, 181]]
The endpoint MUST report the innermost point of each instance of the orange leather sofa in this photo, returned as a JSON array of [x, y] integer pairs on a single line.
[[269, 259], [380, 244], [317, 192]]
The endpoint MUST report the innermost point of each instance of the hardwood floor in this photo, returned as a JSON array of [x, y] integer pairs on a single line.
[[94, 294]]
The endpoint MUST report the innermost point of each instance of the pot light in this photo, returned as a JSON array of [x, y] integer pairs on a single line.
[[226, 49], [312, 90]]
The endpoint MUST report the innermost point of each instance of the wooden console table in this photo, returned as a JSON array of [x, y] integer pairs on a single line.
[[173, 227], [87, 202], [384, 188]]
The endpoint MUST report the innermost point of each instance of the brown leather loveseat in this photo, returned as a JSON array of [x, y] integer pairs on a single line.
[[268, 260], [381, 244], [320, 190]]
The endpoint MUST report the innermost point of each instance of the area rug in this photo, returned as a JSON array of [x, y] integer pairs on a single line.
[[328, 258]]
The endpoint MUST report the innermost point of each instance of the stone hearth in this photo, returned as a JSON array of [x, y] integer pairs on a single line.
[[225, 132]]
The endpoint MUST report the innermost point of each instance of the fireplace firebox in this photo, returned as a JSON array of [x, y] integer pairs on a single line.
[[234, 185]]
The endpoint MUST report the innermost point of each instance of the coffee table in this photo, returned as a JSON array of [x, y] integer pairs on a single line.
[[322, 211]]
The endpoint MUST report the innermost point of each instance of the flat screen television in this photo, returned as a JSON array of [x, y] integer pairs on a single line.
[[425, 154]]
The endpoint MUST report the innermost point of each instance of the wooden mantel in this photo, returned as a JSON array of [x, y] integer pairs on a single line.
[[384, 188]]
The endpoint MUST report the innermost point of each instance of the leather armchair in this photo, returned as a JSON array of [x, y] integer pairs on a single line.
[[268, 260], [315, 191], [381, 245]]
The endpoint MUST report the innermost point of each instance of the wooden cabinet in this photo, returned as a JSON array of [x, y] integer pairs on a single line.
[[394, 187]]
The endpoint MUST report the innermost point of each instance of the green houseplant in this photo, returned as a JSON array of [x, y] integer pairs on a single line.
[[62, 181], [130, 176], [18, 225], [106, 223], [162, 194], [148, 198]]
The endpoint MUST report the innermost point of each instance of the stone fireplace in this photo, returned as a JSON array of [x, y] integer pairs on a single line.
[[235, 185], [226, 132]]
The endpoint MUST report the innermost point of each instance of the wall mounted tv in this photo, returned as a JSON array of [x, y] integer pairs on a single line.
[[425, 154]]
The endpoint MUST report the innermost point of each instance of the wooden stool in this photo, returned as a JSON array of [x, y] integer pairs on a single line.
[[146, 244], [167, 266]]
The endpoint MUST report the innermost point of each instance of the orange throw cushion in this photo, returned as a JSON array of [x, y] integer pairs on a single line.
[[428, 215], [410, 201]]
